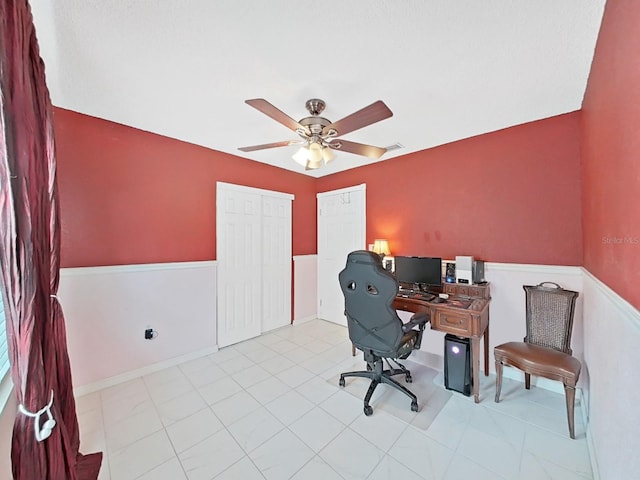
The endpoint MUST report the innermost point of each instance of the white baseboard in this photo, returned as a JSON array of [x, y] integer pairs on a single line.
[[125, 377], [299, 321]]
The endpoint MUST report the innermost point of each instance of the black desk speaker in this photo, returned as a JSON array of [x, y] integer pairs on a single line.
[[457, 364], [450, 273]]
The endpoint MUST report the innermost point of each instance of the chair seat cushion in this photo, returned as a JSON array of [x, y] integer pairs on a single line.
[[539, 361]]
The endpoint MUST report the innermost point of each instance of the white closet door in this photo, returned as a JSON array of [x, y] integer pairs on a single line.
[[341, 230], [239, 245], [254, 261], [276, 262]]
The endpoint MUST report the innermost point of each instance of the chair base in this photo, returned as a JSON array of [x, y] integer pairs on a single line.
[[375, 371]]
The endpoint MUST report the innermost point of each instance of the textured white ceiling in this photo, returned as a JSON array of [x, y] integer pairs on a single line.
[[448, 69]]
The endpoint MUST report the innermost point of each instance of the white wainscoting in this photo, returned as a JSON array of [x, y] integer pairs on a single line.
[[612, 361], [107, 310], [305, 287]]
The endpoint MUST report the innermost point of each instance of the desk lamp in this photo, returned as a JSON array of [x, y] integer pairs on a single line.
[[381, 247]]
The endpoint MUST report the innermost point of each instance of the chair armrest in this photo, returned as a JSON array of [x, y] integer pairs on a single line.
[[418, 320]]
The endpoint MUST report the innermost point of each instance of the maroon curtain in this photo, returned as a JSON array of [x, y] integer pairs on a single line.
[[30, 260]]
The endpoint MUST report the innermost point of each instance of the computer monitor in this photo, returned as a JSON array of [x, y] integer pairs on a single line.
[[425, 271]]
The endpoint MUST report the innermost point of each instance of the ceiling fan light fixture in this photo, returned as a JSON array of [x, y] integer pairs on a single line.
[[314, 164], [315, 153], [327, 155], [301, 156]]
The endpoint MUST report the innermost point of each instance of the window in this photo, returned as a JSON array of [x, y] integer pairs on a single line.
[[5, 380]]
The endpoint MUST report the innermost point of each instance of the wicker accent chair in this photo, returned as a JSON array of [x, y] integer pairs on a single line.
[[546, 350]]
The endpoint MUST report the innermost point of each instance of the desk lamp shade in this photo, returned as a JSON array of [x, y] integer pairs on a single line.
[[381, 247]]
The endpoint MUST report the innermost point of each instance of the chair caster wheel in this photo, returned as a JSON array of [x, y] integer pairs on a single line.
[[408, 378], [368, 410], [414, 406], [341, 382]]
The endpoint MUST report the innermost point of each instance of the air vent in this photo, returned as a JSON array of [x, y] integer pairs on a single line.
[[395, 146]]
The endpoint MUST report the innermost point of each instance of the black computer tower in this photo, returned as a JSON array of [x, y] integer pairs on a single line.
[[457, 364]]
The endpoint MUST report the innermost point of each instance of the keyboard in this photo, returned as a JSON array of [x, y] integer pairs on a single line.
[[426, 296], [413, 294]]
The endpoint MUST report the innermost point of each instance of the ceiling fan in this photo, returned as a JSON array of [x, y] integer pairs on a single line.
[[318, 136]]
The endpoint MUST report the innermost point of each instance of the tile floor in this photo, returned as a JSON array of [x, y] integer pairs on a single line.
[[270, 408]]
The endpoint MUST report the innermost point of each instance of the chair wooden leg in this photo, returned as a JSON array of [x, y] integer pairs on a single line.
[[570, 396], [353, 350], [527, 381], [498, 380]]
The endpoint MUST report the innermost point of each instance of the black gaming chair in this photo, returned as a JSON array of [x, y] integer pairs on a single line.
[[374, 325]]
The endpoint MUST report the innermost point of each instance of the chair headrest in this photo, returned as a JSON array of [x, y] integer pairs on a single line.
[[364, 257]]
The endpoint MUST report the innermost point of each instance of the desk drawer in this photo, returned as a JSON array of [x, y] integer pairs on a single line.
[[462, 290], [404, 305], [411, 305], [456, 289], [452, 323], [449, 289], [478, 291]]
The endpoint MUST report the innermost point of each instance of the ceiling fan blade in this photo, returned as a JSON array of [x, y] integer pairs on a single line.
[[286, 143], [373, 113], [278, 115], [358, 148]]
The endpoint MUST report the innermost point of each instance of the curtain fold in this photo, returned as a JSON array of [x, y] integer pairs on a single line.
[[30, 261]]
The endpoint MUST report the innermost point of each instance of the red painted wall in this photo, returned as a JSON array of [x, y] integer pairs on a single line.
[[129, 196], [507, 196], [611, 153]]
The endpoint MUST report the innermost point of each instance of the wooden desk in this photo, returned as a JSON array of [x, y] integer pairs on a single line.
[[471, 322]]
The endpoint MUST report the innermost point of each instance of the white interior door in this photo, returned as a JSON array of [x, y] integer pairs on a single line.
[[341, 230], [253, 228]]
